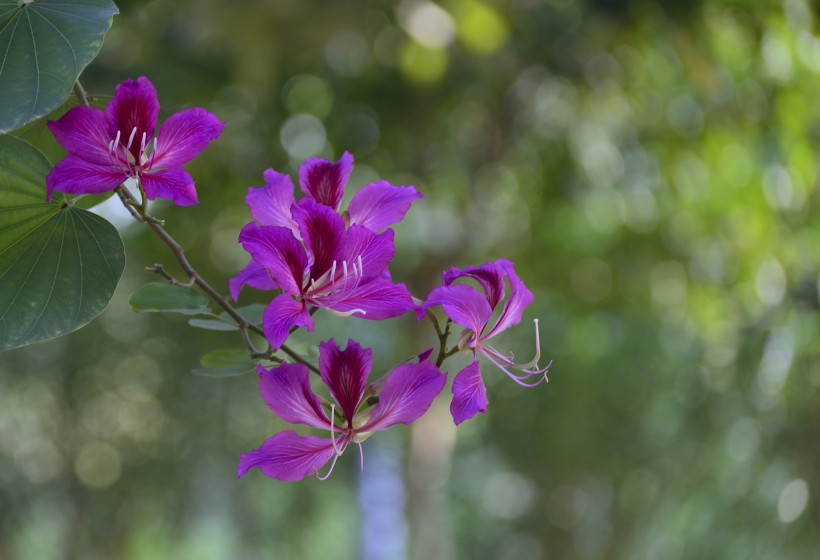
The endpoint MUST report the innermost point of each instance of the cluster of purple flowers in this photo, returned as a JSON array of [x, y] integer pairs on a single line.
[[316, 256]]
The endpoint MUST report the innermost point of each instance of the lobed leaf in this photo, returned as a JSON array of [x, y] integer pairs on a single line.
[[44, 46], [59, 265]]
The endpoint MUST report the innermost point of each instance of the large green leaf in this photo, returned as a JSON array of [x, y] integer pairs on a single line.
[[59, 265], [44, 46]]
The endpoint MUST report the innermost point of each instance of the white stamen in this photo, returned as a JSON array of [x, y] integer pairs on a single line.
[[361, 268], [347, 313], [344, 269], [111, 148], [333, 271], [131, 138], [117, 139], [142, 144]]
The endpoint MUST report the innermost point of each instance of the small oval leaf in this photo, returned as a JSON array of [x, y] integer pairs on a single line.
[[45, 45], [225, 363], [59, 265], [165, 298], [213, 325]]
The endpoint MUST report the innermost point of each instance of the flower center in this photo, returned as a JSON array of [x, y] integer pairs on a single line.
[[340, 277], [132, 162]]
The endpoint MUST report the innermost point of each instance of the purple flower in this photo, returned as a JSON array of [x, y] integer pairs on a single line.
[[473, 310], [320, 264], [402, 398], [106, 148], [322, 257]]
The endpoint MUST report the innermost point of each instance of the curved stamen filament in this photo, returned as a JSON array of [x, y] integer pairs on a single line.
[[518, 379], [332, 465], [361, 453]]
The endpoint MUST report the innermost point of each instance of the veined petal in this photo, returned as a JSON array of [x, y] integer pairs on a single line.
[[380, 205], [286, 390], [375, 250], [345, 372], [376, 300], [469, 394], [254, 275], [77, 176], [184, 136], [276, 248], [174, 184], [323, 231], [325, 180], [519, 299], [288, 456], [408, 392], [135, 106], [82, 132], [490, 276], [270, 205], [463, 304], [281, 314]]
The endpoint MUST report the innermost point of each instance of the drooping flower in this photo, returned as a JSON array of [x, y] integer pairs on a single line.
[[402, 397], [106, 148], [473, 310], [325, 265]]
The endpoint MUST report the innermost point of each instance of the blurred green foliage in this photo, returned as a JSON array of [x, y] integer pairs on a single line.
[[649, 166]]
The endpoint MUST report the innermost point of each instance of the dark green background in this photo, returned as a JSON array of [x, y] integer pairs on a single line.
[[650, 168]]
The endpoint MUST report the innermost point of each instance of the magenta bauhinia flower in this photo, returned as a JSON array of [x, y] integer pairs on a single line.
[[321, 264], [473, 309], [106, 148], [402, 397]]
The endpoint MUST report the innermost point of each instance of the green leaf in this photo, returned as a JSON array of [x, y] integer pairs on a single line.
[[213, 325], [252, 313], [59, 265], [161, 297], [44, 46], [225, 363]]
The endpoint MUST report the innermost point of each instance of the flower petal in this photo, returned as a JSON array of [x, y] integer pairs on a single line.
[[380, 205], [469, 394], [286, 390], [135, 106], [184, 136], [323, 231], [376, 251], [277, 249], [409, 391], [519, 299], [281, 314], [325, 180], [83, 133], [174, 184], [376, 300], [345, 372], [463, 304], [270, 205], [77, 176], [254, 275], [490, 276], [288, 456]]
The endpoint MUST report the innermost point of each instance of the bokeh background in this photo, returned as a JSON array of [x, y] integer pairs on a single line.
[[650, 166]]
